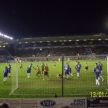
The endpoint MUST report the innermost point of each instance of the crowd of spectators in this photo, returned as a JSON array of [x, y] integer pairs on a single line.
[[68, 51], [56, 49]]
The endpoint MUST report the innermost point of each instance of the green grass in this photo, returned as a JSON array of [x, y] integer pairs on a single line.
[[37, 87]]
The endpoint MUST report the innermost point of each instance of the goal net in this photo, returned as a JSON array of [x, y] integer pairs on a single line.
[[14, 77], [54, 85], [36, 84]]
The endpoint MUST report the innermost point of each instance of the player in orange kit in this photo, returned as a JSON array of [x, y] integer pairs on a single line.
[[46, 71], [38, 71]]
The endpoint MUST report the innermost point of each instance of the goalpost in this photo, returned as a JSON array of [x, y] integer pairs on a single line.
[[9, 59], [14, 78]]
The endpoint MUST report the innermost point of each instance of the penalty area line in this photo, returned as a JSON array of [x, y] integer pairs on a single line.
[[12, 92]]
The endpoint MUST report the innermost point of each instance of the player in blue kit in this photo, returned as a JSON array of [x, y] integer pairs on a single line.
[[67, 70], [100, 66], [5, 73], [78, 68], [97, 74], [29, 70], [9, 70]]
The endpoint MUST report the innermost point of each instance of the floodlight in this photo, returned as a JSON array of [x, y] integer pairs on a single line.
[[4, 46], [85, 40], [40, 49], [5, 36], [106, 39], [99, 39], [92, 39], [26, 42]]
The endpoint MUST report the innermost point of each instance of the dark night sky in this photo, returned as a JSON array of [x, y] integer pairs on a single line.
[[53, 17]]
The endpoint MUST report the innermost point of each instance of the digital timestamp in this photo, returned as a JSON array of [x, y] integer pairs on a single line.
[[98, 94]]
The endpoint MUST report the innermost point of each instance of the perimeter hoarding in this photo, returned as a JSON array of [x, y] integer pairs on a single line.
[[56, 103]]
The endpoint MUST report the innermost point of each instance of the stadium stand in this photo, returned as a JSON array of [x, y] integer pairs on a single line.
[[56, 46]]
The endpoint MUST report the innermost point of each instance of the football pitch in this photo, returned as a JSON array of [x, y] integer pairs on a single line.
[[35, 86]]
